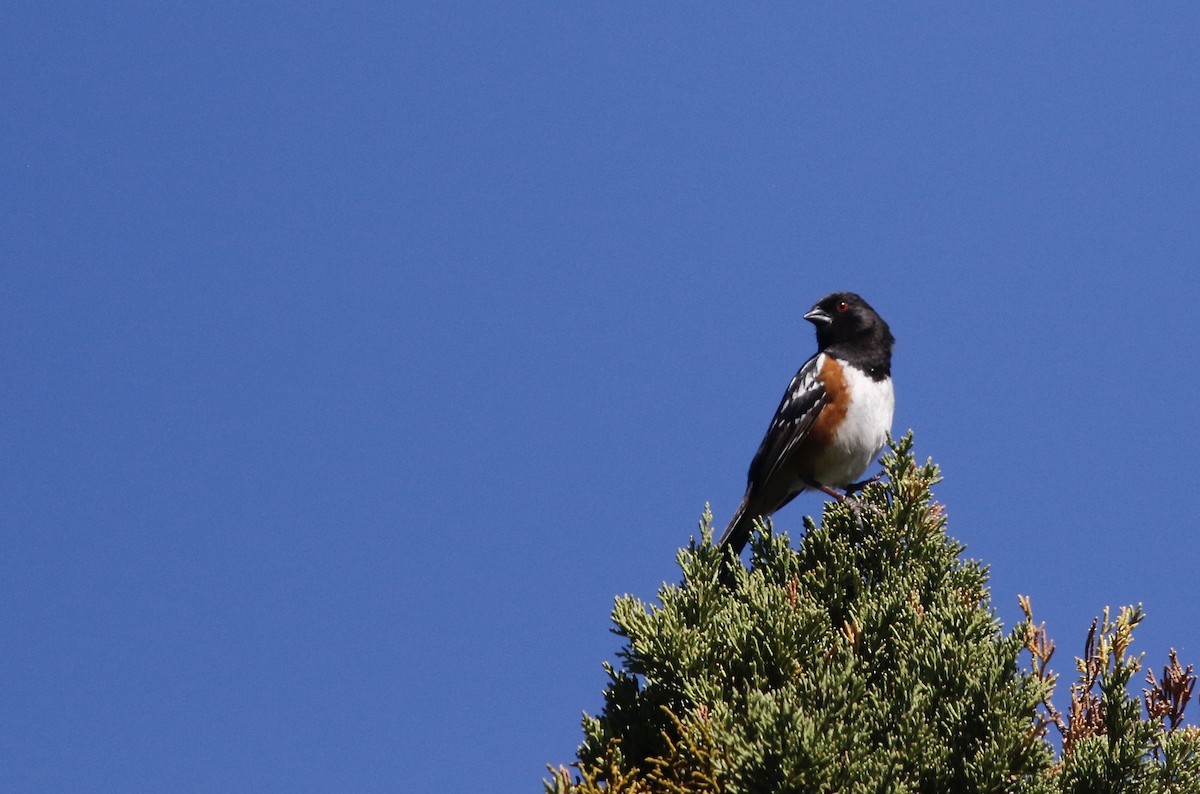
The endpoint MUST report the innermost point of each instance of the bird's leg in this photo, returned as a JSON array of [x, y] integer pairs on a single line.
[[834, 492], [848, 497], [844, 498], [855, 487], [825, 489]]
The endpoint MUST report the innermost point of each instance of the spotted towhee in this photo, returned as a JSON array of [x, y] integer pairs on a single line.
[[834, 417]]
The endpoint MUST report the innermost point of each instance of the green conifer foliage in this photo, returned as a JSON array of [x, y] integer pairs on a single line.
[[867, 659]]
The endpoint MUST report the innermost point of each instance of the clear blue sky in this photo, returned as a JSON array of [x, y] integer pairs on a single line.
[[355, 356]]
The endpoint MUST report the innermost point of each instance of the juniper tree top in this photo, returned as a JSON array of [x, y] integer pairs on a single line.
[[865, 659]]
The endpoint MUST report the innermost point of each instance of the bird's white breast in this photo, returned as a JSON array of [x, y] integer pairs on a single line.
[[864, 431]]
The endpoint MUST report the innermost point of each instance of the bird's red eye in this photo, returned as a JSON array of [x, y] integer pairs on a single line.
[[842, 306]]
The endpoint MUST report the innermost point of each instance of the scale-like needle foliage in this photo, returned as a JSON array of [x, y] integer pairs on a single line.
[[866, 659]]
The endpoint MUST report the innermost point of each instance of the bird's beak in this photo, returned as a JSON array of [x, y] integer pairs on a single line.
[[818, 317]]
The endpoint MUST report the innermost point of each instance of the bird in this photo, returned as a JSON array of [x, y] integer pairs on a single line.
[[833, 420]]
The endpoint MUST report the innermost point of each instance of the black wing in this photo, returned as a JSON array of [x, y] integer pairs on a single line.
[[794, 418]]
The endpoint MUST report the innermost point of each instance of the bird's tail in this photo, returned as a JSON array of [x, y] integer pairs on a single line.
[[737, 533]]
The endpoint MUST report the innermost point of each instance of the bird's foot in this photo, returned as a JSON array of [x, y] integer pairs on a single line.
[[848, 498]]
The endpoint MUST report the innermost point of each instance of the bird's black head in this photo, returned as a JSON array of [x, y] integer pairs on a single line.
[[848, 324]]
